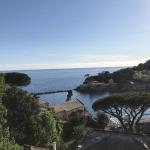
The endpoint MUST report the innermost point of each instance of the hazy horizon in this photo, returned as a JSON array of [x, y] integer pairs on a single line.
[[59, 34], [62, 68]]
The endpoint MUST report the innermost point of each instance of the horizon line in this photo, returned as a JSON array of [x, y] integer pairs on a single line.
[[15, 70]]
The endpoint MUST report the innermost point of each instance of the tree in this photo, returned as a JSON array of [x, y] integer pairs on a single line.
[[6, 143], [123, 75], [3, 129], [76, 118], [120, 76], [17, 79], [79, 131], [44, 129], [67, 128], [101, 77], [20, 107], [102, 120], [144, 66], [128, 108]]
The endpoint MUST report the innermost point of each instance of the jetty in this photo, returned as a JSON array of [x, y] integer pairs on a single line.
[[51, 92]]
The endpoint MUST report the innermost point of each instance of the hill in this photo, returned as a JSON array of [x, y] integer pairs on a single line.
[[127, 79], [120, 75]]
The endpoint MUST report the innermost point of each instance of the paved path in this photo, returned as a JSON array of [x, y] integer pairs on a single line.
[[118, 142]]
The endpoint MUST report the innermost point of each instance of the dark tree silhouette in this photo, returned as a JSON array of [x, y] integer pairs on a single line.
[[17, 79], [20, 107], [127, 107]]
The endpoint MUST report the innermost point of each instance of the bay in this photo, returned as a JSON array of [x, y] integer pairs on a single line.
[[63, 79]]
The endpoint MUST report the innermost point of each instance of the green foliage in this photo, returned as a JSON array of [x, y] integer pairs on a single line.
[[91, 122], [17, 79], [102, 120], [2, 84], [79, 131], [20, 107], [44, 129], [67, 128], [68, 145], [144, 66], [7, 144], [101, 77], [119, 76], [62, 146], [3, 128], [126, 99], [76, 118], [73, 130], [123, 75], [131, 104]]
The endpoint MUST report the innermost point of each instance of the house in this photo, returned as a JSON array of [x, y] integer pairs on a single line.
[[64, 110], [142, 75]]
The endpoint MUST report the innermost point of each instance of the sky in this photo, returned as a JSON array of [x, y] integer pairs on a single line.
[[48, 34]]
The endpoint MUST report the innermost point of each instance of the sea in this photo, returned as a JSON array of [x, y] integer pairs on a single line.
[[64, 79]]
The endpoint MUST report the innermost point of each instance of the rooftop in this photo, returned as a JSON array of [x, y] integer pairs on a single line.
[[67, 106]]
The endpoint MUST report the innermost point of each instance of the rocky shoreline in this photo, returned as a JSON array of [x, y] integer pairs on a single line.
[[102, 87]]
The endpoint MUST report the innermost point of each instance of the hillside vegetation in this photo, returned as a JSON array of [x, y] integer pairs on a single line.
[[119, 76]]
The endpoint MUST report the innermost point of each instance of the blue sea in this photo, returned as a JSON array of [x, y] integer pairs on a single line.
[[63, 79]]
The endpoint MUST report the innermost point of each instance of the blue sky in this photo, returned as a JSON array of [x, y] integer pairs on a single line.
[[42, 34]]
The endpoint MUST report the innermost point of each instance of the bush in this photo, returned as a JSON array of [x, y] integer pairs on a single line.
[[44, 129], [20, 107], [7, 144], [67, 128], [102, 120], [68, 145], [76, 118], [79, 131], [90, 122]]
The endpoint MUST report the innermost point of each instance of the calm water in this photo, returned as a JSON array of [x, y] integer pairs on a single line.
[[61, 79]]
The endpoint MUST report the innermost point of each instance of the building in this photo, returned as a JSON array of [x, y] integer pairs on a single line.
[[63, 111], [142, 75]]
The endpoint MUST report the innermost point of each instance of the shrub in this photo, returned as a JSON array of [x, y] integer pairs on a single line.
[[77, 118], [7, 144], [79, 131], [102, 120], [44, 129]]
